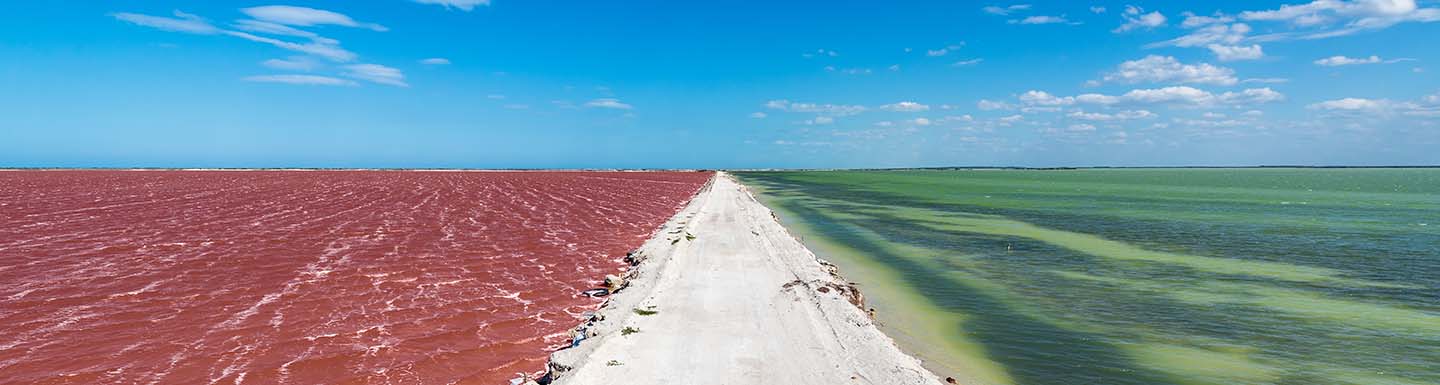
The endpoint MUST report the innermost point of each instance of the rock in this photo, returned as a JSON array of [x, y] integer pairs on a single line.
[[614, 283]]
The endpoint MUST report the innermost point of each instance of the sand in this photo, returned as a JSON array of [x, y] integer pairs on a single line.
[[740, 302]]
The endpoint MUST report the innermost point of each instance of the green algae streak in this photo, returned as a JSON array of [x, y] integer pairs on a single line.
[[1138, 276]]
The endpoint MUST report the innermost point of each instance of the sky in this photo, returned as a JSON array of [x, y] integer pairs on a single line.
[[737, 84]]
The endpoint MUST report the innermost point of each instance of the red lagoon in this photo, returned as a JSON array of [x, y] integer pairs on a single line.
[[306, 277]]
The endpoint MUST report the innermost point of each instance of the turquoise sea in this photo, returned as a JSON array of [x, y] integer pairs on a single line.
[[1139, 276]]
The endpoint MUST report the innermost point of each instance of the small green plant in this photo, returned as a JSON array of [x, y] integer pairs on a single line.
[[628, 330], [689, 237], [613, 363], [648, 310], [677, 240]]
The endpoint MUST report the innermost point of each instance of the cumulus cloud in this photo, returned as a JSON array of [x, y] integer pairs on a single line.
[[611, 103], [1336, 61], [1136, 18], [1042, 98], [820, 121], [1040, 20], [1099, 99], [465, 5], [964, 63], [305, 17], [998, 10], [990, 105], [942, 51], [1236, 52], [825, 109], [182, 22], [758, 115], [1173, 95], [1118, 116], [1332, 18], [309, 80], [377, 74], [1352, 104], [1227, 34], [435, 61], [1195, 21], [905, 107], [1166, 69]]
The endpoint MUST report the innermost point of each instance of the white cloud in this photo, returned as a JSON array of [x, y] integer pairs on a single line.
[[1040, 20], [1195, 21], [1119, 116], [1136, 18], [187, 23], [990, 105], [943, 50], [970, 62], [1166, 69], [1266, 80], [1340, 18], [1178, 94], [182, 22], [461, 4], [1042, 98], [1096, 99], [1229, 34], [305, 17], [295, 63], [820, 52], [1081, 127], [1252, 96], [758, 115], [820, 121], [328, 51], [495, 97], [920, 121], [1236, 52], [1336, 61], [826, 109], [435, 61], [376, 73], [849, 71], [311, 80], [905, 107], [1097, 9], [609, 103], [1040, 101], [1352, 104], [269, 28], [998, 10]]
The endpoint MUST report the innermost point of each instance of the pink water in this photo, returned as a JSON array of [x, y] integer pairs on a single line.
[[304, 277]]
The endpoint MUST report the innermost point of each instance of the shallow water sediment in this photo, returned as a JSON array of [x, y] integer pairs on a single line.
[[1270, 276]]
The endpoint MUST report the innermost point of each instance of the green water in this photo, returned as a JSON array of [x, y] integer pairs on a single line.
[[1139, 276]]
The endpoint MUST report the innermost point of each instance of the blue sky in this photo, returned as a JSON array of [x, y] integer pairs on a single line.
[[547, 84]]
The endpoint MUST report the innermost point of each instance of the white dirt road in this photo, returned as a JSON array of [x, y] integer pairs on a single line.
[[742, 302]]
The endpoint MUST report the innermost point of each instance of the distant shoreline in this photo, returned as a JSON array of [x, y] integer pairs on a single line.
[[944, 168]]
